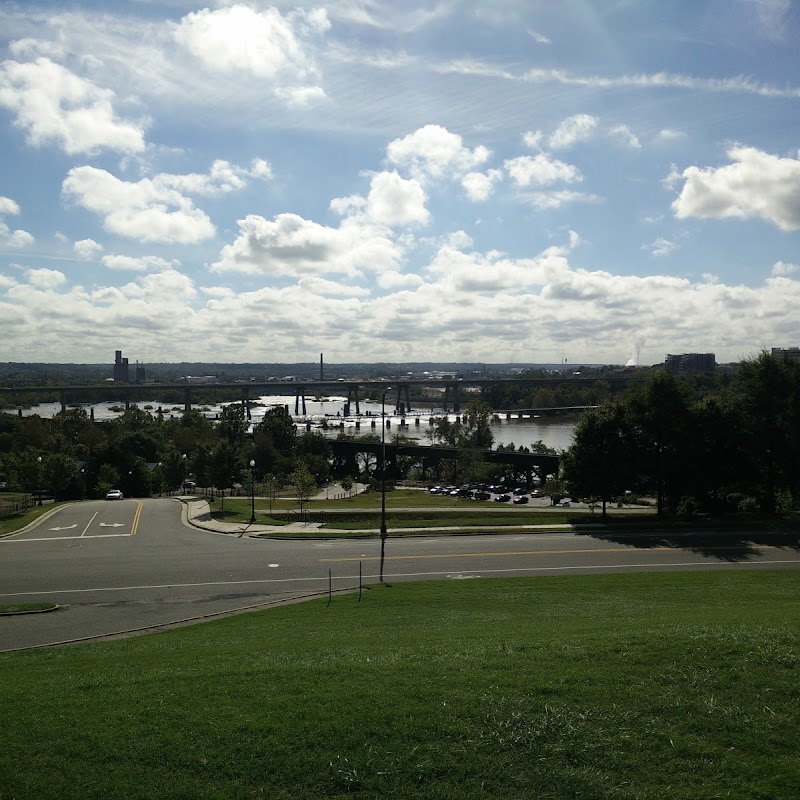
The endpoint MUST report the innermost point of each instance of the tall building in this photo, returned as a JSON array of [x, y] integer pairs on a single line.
[[121, 372], [790, 353], [691, 362], [140, 378]]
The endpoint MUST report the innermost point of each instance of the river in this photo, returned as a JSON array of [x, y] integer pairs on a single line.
[[326, 415]]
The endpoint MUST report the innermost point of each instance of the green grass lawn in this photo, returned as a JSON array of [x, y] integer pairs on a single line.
[[10, 523], [366, 514], [682, 685]]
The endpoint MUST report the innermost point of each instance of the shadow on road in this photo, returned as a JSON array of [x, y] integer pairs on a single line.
[[726, 545]]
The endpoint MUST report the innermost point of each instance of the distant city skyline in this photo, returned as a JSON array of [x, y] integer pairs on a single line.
[[472, 181]]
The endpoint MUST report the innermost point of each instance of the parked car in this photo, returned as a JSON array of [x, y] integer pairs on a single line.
[[481, 495], [521, 500], [519, 491], [114, 494], [563, 504], [502, 498], [436, 490]]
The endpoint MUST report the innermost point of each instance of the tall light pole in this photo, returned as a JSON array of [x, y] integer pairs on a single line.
[[252, 491], [383, 477], [39, 479], [183, 485]]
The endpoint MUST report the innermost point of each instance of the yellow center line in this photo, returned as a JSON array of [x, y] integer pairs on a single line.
[[136, 516], [534, 553]]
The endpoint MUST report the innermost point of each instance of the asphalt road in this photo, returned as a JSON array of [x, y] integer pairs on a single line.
[[131, 565]]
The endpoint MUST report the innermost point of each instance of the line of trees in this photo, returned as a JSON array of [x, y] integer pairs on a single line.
[[733, 449], [71, 457]]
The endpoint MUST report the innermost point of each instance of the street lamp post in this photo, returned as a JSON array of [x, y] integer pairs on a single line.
[[39, 480], [183, 485], [383, 477], [252, 491]]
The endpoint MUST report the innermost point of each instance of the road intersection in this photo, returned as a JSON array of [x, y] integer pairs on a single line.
[[138, 565]]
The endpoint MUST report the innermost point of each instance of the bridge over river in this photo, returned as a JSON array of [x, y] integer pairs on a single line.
[[452, 390]]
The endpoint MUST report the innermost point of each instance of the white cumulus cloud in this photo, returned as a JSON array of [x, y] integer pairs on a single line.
[[146, 210], [433, 151], [754, 184], [573, 129], [541, 170], [54, 106]]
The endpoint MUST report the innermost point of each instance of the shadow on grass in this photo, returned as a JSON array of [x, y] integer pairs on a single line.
[[727, 539]]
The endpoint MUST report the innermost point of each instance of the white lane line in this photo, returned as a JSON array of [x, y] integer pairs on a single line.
[[64, 538], [478, 573], [90, 522]]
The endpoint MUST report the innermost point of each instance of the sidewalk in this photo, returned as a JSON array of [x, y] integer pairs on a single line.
[[197, 513]]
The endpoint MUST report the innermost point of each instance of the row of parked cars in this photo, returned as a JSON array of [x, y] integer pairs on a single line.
[[499, 493]]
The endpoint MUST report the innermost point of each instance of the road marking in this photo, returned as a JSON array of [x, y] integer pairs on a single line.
[[64, 527], [136, 516], [536, 553], [63, 538], [89, 523], [324, 579], [111, 524]]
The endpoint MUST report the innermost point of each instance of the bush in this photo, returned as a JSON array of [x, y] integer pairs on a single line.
[[688, 506]]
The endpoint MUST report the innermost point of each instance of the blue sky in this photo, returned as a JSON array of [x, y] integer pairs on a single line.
[[509, 180]]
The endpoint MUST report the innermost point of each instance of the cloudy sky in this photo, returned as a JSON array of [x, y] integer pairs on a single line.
[[471, 180]]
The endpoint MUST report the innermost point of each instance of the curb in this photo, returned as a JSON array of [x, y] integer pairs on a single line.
[[30, 611]]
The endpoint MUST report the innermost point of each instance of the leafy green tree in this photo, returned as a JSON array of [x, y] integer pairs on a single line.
[[660, 428], [233, 424], [304, 485], [347, 484], [271, 487], [107, 478], [767, 393], [314, 450], [226, 467], [60, 475], [280, 427], [476, 430], [599, 462], [33, 432]]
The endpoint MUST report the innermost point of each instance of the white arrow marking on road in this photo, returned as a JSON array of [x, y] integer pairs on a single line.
[[65, 527], [273, 565], [112, 524]]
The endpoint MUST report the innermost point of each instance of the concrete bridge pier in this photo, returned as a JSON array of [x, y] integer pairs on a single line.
[[63, 402], [300, 395], [187, 399]]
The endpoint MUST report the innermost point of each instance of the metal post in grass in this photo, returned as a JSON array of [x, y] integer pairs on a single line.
[[39, 479], [330, 588], [252, 491], [359, 581], [383, 477]]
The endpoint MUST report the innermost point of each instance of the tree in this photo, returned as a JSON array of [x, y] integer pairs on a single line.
[[225, 467], [599, 461], [766, 391], [347, 484], [233, 424], [659, 417], [271, 490], [476, 430], [60, 475], [304, 485], [314, 450]]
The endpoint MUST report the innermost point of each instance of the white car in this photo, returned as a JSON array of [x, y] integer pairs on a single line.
[[114, 494]]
